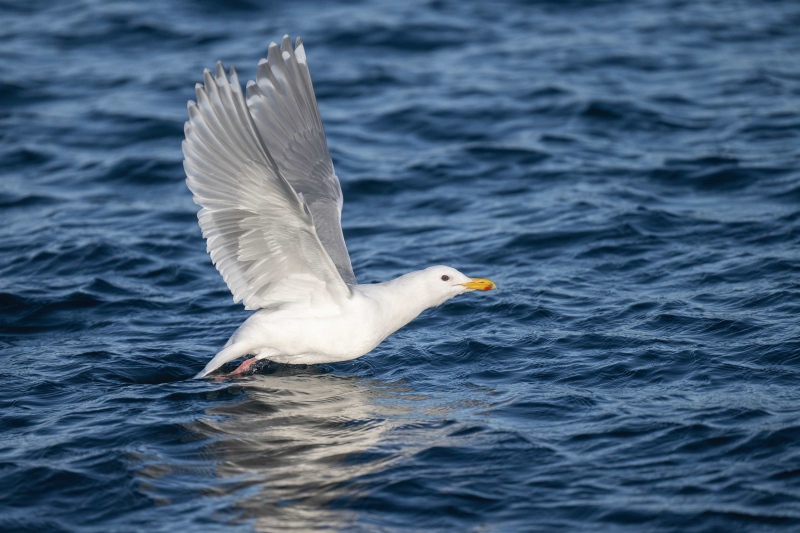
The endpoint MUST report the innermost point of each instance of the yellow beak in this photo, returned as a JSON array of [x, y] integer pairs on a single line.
[[480, 284]]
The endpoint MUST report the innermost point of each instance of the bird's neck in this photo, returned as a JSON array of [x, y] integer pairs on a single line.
[[400, 301]]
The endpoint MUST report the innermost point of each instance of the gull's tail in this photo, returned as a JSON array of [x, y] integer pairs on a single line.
[[229, 353]]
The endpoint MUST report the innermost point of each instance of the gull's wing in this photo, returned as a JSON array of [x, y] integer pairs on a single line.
[[285, 112], [260, 233]]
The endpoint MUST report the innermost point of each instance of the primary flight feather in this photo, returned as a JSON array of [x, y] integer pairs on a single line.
[[259, 167]]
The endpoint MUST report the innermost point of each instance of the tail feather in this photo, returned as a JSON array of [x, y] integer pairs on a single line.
[[229, 353]]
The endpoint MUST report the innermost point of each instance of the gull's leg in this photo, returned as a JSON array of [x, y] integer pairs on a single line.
[[244, 367]]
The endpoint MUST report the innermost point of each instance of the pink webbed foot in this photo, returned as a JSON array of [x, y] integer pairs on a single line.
[[244, 367]]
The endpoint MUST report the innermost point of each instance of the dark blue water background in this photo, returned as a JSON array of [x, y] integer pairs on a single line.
[[627, 172]]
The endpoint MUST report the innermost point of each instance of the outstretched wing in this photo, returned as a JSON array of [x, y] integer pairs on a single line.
[[285, 112], [260, 233]]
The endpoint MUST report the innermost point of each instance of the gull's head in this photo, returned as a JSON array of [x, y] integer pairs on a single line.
[[443, 282]]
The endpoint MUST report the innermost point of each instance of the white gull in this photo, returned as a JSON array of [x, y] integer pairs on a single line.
[[258, 165]]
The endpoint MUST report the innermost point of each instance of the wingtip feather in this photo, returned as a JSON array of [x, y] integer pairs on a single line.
[[208, 79]]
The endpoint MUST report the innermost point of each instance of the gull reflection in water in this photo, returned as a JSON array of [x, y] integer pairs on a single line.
[[293, 446]]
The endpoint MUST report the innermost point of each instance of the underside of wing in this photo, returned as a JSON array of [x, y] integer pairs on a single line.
[[260, 233], [285, 113]]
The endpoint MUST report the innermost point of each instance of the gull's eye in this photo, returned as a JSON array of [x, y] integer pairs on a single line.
[[445, 278]]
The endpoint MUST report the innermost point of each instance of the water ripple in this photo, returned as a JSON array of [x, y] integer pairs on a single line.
[[627, 174]]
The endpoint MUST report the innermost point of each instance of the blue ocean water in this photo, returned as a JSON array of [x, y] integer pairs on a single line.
[[627, 172]]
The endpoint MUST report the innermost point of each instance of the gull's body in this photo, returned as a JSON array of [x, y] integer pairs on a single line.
[[271, 207]]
